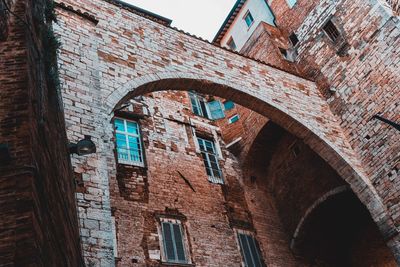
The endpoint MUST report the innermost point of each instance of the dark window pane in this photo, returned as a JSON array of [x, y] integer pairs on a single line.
[[168, 242], [179, 243], [245, 250], [254, 251]]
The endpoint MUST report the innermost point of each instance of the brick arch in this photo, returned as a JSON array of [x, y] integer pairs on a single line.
[[317, 203], [321, 134]]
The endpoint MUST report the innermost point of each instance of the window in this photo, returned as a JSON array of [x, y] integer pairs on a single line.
[[250, 250], [128, 141], [229, 105], [249, 19], [210, 159], [291, 3], [216, 110], [231, 44], [173, 241], [331, 31], [234, 119], [210, 110], [199, 106], [293, 39]]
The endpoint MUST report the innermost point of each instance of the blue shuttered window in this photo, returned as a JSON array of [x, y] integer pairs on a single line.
[[211, 110], [249, 19], [129, 145], [250, 251], [174, 248], [216, 110], [210, 158]]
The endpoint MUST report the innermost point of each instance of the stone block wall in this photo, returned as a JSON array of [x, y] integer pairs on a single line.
[[37, 202]]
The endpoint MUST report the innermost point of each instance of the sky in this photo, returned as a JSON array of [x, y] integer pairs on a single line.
[[199, 17]]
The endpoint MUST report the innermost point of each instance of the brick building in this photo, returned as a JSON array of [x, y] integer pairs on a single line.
[[256, 149]]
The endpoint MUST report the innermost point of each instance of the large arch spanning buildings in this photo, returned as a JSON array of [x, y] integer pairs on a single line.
[[125, 55], [110, 54]]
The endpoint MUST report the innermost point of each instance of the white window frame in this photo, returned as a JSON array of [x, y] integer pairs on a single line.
[[212, 178], [197, 99], [185, 242], [126, 134], [234, 116]]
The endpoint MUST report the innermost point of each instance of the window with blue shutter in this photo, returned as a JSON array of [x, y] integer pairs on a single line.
[[291, 3], [173, 242], [210, 158], [250, 251], [216, 110], [128, 142], [249, 19]]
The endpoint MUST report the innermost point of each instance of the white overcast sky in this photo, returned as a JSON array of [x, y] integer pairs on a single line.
[[199, 17]]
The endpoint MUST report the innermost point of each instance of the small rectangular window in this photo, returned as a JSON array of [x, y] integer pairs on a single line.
[[199, 106], [229, 105], [231, 44], [291, 3], [210, 158], [128, 142], [249, 19], [234, 119], [173, 242], [293, 39], [250, 250], [331, 31]]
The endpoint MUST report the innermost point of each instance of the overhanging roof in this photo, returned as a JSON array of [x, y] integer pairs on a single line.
[[229, 20]]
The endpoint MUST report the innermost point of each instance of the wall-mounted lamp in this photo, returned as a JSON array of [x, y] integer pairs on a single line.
[[83, 147], [4, 153], [391, 123]]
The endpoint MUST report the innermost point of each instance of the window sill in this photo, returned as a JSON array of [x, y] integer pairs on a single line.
[[130, 163], [172, 264]]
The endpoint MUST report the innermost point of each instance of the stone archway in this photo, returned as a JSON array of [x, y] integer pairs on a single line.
[[323, 135]]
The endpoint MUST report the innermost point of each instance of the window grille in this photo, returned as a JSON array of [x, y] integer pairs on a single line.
[[250, 251], [210, 159], [331, 31], [128, 142], [173, 242]]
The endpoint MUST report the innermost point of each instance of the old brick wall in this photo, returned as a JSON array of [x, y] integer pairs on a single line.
[[108, 59], [358, 82], [211, 211], [38, 215]]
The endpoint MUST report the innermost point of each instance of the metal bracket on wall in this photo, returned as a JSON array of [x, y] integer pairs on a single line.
[[387, 121]]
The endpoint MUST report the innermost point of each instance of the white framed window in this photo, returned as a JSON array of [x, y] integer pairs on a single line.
[[210, 158], [128, 142], [211, 110], [249, 249], [233, 119], [291, 3], [248, 18], [173, 242], [199, 106]]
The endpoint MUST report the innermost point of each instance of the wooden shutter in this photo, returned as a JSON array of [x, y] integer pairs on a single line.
[[216, 111]]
